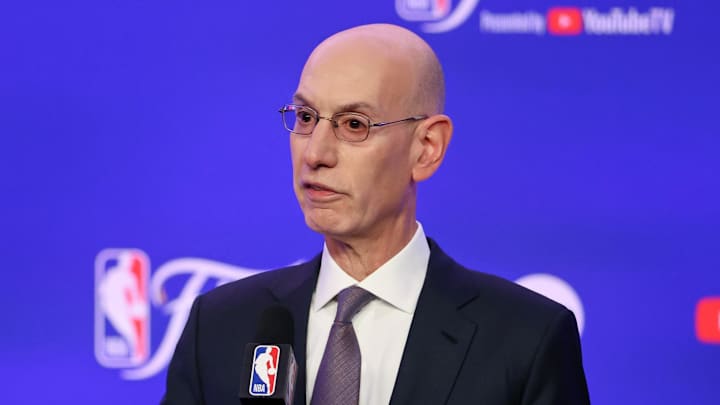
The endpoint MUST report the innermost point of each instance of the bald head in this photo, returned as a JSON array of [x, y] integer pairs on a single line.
[[401, 62], [363, 192]]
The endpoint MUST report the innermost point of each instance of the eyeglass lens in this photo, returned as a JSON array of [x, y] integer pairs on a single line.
[[349, 126]]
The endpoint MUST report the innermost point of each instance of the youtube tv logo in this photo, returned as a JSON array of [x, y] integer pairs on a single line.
[[564, 21], [707, 320]]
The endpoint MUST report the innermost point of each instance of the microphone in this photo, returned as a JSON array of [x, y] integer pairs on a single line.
[[269, 367]]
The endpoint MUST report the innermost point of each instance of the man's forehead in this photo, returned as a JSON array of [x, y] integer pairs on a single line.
[[368, 52], [353, 80]]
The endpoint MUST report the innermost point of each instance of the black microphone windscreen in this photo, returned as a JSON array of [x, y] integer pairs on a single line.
[[275, 326]]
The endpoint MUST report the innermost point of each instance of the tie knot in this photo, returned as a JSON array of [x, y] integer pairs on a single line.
[[350, 301]]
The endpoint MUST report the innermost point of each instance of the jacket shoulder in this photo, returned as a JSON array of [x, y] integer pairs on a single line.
[[263, 284], [509, 296], [477, 292]]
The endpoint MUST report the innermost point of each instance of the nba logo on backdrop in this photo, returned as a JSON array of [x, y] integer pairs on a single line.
[[264, 371], [122, 308]]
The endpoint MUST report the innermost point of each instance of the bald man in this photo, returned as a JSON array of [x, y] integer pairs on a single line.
[[366, 125]]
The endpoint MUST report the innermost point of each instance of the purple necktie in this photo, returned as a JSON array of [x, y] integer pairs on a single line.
[[338, 378]]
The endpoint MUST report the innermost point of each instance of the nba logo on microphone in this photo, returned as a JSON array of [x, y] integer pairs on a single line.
[[122, 308], [264, 370]]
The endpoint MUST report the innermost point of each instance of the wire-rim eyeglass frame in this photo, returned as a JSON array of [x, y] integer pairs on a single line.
[[347, 126]]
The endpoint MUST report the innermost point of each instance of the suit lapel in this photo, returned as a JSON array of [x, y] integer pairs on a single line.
[[437, 343], [439, 336], [295, 292]]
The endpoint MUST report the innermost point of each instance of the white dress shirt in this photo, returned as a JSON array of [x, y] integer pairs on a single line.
[[381, 327]]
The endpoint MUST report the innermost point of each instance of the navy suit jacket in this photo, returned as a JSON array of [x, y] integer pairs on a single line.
[[474, 339]]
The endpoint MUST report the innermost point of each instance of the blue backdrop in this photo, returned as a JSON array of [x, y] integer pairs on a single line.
[[591, 156]]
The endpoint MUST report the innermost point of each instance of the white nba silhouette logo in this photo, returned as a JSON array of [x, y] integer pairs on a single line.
[[265, 366], [122, 308], [263, 377]]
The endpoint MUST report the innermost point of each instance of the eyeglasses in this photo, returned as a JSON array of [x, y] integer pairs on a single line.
[[347, 126]]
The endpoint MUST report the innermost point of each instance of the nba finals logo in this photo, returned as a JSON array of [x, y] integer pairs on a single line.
[[437, 15], [264, 370], [122, 309], [441, 16], [125, 295]]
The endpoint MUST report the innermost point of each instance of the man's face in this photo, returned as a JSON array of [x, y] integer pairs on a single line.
[[354, 190]]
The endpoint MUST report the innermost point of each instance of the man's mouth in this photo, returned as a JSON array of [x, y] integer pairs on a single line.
[[319, 190]]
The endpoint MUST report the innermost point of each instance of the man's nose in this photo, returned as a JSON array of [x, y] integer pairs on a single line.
[[321, 147]]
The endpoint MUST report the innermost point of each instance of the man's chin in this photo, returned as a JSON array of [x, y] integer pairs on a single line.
[[320, 227], [327, 225]]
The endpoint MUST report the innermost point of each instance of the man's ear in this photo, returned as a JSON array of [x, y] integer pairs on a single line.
[[434, 136]]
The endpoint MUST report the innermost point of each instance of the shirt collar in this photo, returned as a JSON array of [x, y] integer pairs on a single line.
[[397, 282]]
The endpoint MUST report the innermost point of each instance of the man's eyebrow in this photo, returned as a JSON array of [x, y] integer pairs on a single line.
[[359, 106], [298, 98]]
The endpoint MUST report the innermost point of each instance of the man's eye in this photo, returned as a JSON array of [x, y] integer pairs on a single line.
[[304, 117], [353, 123]]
